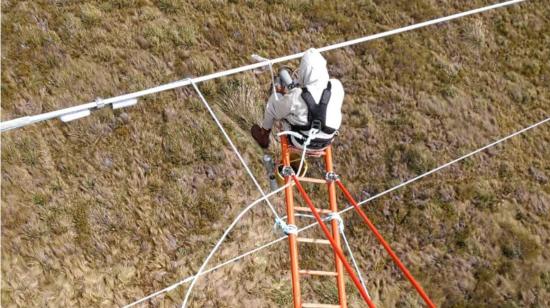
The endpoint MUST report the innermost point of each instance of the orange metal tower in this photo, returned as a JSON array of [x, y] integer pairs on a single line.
[[333, 238]]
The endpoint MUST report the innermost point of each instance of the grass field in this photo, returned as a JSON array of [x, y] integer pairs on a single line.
[[110, 208]]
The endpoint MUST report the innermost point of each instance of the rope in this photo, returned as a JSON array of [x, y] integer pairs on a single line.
[[338, 218], [259, 58], [220, 241], [287, 228], [348, 248], [311, 135], [273, 80], [234, 148], [24, 121], [450, 163], [290, 133], [186, 280], [387, 247], [269, 244], [339, 221], [335, 247]]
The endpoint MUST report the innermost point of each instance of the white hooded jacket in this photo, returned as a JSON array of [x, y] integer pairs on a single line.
[[312, 74]]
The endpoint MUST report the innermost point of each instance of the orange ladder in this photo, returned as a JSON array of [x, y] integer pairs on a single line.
[[332, 238], [293, 239]]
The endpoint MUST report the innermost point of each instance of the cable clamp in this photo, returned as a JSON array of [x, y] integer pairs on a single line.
[[331, 177], [99, 103], [286, 228], [287, 171], [338, 218], [258, 58]]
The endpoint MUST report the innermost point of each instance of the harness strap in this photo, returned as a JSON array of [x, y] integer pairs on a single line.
[[317, 113], [314, 144]]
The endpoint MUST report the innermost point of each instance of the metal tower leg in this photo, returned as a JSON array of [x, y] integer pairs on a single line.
[[293, 248], [331, 188]]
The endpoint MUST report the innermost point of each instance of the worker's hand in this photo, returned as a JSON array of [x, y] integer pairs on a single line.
[[280, 89]]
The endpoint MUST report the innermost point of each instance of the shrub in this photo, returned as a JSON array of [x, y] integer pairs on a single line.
[[39, 199], [281, 295], [168, 6], [90, 15], [517, 243], [418, 158]]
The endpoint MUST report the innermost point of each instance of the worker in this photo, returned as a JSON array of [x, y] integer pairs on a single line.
[[315, 103]]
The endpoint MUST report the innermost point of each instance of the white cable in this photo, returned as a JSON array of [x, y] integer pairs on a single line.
[[418, 25], [235, 259], [291, 133], [280, 222], [341, 212], [188, 294], [275, 94], [234, 148], [286, 228], [220, 241], [312, 133], [348, 248], [259, 58], [340, 222], [24, 121], [299, 215], [450, 163]]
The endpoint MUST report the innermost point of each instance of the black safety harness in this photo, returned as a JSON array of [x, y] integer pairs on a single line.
[[316, 117]]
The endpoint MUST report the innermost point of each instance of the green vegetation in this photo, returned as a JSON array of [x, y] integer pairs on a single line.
[[282, 296], [107, 209]]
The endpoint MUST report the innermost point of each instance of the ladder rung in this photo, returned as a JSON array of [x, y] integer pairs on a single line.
[[312, 180], [310, 153], [307, 209], [318, 273], [313, 240], [314, 305]]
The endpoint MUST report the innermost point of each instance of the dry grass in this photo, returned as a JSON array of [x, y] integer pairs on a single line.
[[110, 208]]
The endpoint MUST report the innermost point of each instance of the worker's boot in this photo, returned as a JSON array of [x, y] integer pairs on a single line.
[[261, 135]]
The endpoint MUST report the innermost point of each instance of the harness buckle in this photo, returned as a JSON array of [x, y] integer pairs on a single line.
[[316, 124]]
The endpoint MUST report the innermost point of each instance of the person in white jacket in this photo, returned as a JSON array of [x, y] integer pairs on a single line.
[[315, 103]]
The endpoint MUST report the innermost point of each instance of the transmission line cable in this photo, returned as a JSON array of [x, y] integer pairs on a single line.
[[120, 101]]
